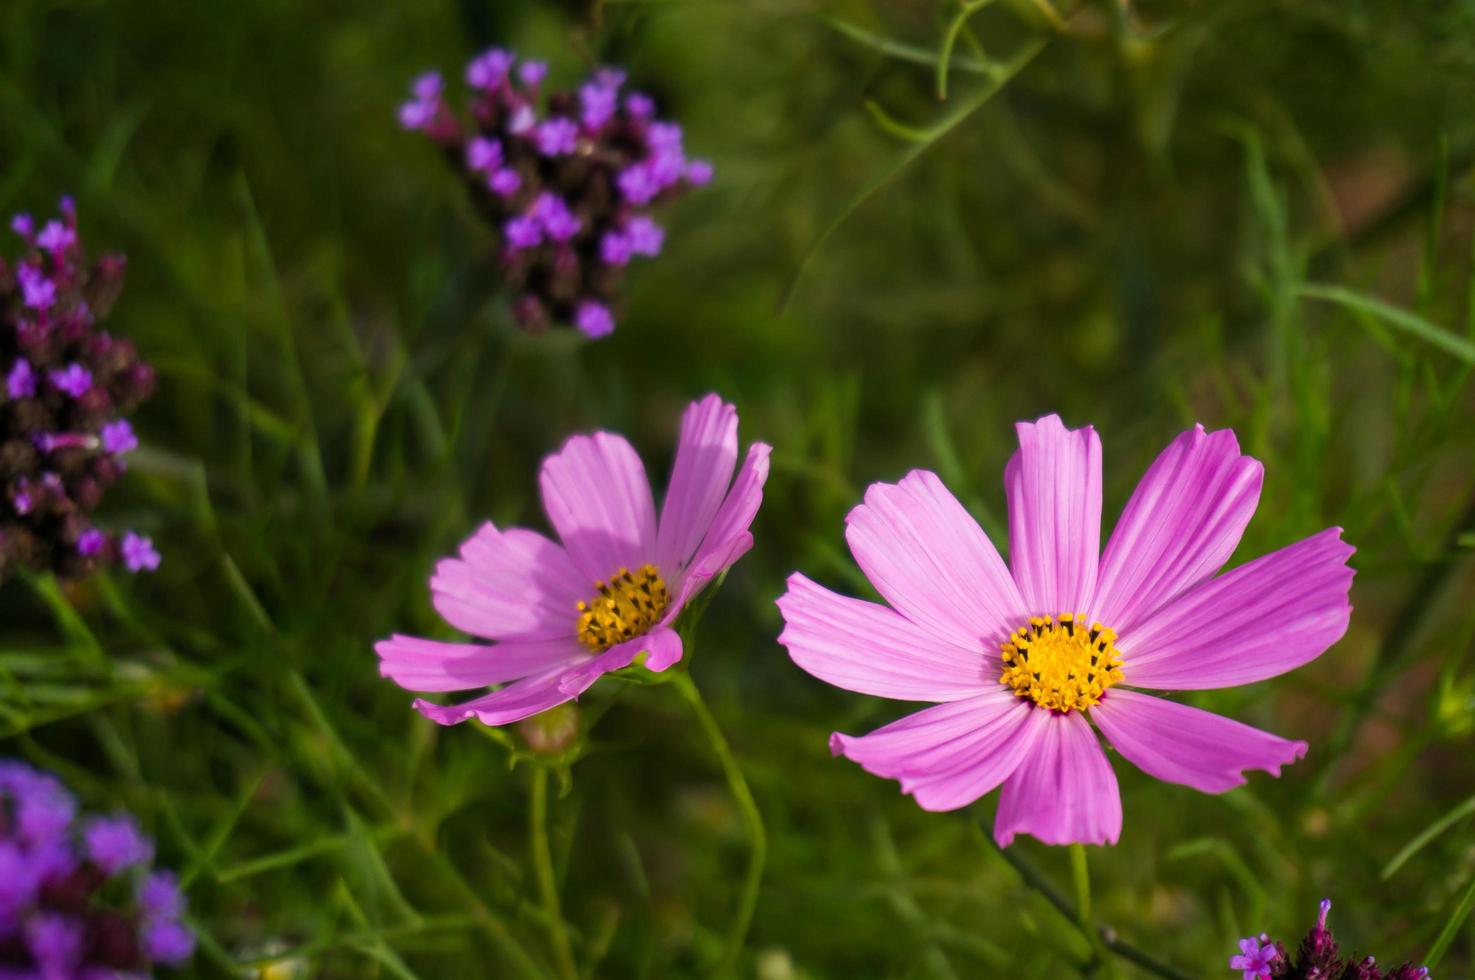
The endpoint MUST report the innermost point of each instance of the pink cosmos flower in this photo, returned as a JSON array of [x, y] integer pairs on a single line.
[[1018, 657], [558, 616]]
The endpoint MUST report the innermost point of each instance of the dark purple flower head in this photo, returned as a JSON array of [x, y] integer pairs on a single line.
[[69, 386], [566, 179], [77, 897], [1317, 958]]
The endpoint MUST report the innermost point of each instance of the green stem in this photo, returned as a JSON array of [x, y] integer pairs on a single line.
[[737, 932], [1080, 873], [542, 856], [1106, 935]]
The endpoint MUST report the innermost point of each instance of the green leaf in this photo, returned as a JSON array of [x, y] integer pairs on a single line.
[[1393, 316]]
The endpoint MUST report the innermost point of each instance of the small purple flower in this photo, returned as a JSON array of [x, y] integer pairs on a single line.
[[640, 105], [597, 103], [489, 69], [556, 136], [21, 381], [524, 118], [420, 111], [483, 155], [638, 185], [139, 554], [594, 319], [614, 248], [532, 73], [505, 182], [56, 237], [646, 237], [91, 542], [611, 78], [557, 220], [159, 896], [37, 291], [23, 225], [699, 173], [55, 942], [73, 380], [523, 232], [114, 843], [1254, 959], [167, 941], [118, 437]]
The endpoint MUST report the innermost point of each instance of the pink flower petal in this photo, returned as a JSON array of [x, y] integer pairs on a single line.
[[1183, 522], [662, 647], [868, 648], [512, 584], [728, 538], [429, 665], [1261, 619], [1179, 744], [517, 701], [706, 454], [929, 558], [598, 499], [949, 755], [1054, 487], [1064, 791]]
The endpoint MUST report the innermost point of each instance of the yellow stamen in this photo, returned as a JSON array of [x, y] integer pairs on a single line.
[[629, 605], [1060, 664]]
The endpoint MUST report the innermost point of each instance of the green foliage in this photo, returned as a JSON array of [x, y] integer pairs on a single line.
[[1141, 215]]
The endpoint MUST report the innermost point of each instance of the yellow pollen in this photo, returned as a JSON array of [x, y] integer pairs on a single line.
[[1060, 664], [628, 605]]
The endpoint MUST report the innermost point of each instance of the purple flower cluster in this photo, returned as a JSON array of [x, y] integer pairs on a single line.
[[568, 187], [1317, 958], [79, 899], [67, 387]]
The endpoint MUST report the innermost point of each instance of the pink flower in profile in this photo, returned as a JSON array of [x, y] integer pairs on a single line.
[[1017, 657], [560, 615]]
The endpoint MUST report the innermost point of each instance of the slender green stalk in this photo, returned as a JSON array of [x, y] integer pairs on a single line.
[[1106, 935], [1080, 872], [1452, 927], [563, 952], [737, 932]]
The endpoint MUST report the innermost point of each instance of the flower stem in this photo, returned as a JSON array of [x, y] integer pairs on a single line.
[[1080, 872], [1105, 935], [737, 932], [542, 858]]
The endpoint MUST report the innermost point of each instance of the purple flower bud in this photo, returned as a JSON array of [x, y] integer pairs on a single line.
[[532, 73], [73, 380], [159, 896], [421, 110], [114, 843], [637, 185], [489, 69], [556, 136], [168, 942], [523, 120], [611, 78], [21, 381], [505, 182], [23, 225], [646, 237], [37, 291], [56, 237], [523, 232], [640, 105], [91, 542], [594, 319], [118, 437], [427, 87], [597, 104], [139, 554], [483, 155], [614, 248], [55, 941], [557, 221], [699, 173]]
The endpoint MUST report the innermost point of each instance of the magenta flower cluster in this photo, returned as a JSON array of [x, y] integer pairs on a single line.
[[79, 898], [1317, 958], [68, 387], [567, 182]]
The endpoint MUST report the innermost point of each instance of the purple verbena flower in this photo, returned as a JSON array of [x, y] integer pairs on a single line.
[[420, 111], [489, 69], [114, 843], [640, 106], [56, 237], [523, 232], [483, 155], [1255, 960], [699, 173], [139, 554], [21, 381], [532, 73], [1317, 958], [594, 319], [118, 437], [23, 225], [37, 291], [74, 380], [91, 542], [638, 184], [505, 182], [615, 248], [646, 237], [556, 136], [558, 222], [169, 942]]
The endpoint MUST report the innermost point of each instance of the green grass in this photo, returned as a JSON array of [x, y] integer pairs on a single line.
[[1253, 215]]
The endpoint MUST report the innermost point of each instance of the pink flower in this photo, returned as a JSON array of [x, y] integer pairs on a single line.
[[1254, 960], [560, 615], [1018, 656]]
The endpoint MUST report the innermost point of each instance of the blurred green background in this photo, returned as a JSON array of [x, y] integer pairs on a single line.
[[1120, 212]]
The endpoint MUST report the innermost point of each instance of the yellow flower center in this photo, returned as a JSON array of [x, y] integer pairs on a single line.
[[1060, 664], [627, 606]]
